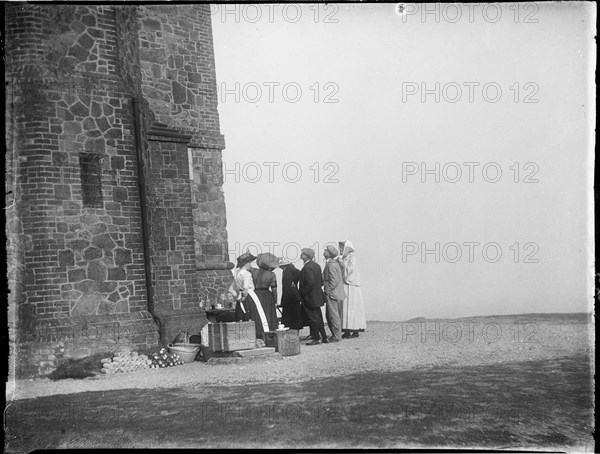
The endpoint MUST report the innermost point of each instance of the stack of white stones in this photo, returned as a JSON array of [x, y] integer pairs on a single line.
[[125, 361]]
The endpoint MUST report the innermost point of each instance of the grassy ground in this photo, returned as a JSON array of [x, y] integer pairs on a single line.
[[537, 404]]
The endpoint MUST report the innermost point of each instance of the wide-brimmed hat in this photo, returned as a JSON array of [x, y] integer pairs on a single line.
[[308, 251], [267, 261], [244, 258], [284, 261]]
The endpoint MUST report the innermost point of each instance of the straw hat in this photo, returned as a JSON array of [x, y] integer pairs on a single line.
[[332, 250], [284, 261]]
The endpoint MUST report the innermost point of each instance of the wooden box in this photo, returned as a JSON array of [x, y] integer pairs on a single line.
[[231, 336], [286, 342]]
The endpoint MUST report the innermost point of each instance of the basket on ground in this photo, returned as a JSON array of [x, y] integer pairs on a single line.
[[187, 352]]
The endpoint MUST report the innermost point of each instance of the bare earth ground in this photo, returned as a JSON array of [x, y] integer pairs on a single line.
[[505, 382]]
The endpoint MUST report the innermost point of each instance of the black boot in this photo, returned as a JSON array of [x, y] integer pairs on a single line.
[[312, 336], [323, 333]]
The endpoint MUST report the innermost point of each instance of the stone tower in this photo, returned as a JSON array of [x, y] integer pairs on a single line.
[[115, 213]]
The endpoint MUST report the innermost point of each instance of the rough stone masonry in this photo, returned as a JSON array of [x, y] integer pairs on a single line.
[[115, 214]]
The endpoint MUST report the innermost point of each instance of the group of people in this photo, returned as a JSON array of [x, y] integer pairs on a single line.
[[304, 293]]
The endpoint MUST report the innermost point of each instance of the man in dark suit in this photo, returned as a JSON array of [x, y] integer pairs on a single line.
[[291, 301], [311, 283]]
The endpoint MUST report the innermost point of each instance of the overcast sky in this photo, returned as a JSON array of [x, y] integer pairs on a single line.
[[357, 111]]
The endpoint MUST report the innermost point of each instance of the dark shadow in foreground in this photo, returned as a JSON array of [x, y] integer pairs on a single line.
[[536, 404]]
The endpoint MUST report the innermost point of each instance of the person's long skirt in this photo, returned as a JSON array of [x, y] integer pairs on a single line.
[[354, 318], [242, 309], [249, 312], [268, 305], [292, 315]]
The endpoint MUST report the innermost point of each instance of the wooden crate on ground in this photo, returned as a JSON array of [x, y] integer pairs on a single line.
[[286, 342], [231, 336]]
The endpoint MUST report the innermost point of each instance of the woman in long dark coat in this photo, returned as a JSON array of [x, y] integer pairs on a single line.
[[292, 315], [265, 286]]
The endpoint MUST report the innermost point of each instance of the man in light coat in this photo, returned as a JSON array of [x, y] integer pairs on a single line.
[[334, 291]]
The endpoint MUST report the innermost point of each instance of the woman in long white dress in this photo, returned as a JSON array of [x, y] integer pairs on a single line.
[[354, 319]]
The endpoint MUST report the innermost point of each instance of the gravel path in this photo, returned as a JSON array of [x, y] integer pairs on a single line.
[[385, 346]]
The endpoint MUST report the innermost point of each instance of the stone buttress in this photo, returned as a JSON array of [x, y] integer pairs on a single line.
[[115, 213]]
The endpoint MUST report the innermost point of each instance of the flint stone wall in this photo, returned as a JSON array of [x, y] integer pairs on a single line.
[[74, 244]]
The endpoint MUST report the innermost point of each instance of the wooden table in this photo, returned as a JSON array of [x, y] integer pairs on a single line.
[[215, 315]]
